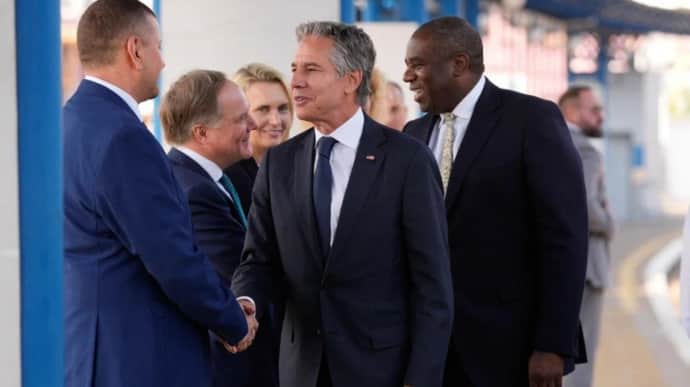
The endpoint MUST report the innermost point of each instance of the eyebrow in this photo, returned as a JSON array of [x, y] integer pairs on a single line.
[[306, 64]]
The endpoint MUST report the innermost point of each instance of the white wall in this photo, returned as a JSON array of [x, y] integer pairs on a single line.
[[9, 221], [634, 109], [227, 34]]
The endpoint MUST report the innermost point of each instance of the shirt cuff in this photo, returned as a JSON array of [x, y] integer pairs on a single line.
[[248, 299]]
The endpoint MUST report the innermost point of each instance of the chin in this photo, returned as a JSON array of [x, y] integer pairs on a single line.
[[304, 115]]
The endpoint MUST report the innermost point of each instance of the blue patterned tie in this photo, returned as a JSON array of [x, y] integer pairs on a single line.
[[323, 184], [227, 184]]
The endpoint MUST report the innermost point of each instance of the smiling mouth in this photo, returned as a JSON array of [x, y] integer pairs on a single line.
[[300, 100]]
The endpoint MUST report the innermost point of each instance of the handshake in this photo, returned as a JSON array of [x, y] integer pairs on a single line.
[[249, 310]]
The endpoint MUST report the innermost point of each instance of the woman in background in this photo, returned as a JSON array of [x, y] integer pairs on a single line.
[[270, 106]]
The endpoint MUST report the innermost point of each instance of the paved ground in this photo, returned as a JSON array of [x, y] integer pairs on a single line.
[[633, 351]]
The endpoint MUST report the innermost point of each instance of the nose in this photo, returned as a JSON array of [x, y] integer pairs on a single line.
[[408, 75], [274, 118], [297, 81]]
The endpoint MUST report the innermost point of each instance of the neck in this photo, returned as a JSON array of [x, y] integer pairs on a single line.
[[459, 93], [118, 78], [328, 125], [258, 154]]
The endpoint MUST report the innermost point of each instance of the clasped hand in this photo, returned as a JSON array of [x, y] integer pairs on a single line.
[[252, 326]]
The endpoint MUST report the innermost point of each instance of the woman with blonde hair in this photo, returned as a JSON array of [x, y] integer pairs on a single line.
[[270, 106]]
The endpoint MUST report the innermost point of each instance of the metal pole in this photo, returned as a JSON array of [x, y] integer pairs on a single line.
[[39, 100]]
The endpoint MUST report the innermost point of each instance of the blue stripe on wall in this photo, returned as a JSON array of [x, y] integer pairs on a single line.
[[39, 99]]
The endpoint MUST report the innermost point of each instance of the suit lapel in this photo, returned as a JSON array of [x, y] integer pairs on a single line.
[[368, 161], [303, 196], [478, 131], [423, 130], [176, 156]]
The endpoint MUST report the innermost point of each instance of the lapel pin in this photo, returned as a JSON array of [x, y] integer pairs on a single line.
[[371, 157]]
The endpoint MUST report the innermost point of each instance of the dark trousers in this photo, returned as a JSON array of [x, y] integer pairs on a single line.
[[454, 375], [324, 379]]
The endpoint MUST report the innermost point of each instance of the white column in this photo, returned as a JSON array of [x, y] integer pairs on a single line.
[[9, 213]]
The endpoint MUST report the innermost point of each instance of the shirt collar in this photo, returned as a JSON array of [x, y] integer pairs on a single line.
[[129, 100], [466, 106], [209, 166], [348, 133]]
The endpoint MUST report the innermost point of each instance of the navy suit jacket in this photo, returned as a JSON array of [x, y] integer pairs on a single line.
[[517, 228], [380, 305], [220, 234], [139, 295]]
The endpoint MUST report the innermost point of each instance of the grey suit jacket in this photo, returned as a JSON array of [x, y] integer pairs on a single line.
[[600, 220]]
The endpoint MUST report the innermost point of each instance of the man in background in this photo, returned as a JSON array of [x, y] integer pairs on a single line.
[[583, 114], [396, 108]]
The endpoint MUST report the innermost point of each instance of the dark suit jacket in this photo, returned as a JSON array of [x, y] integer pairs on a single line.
[[243, 174], [220, 234], [517, 226], [380, 304], [139, 295]]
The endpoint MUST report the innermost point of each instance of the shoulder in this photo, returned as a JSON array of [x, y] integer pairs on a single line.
[[417, 122], [288, 148], [187, 177], [244, 169], [404, 148]]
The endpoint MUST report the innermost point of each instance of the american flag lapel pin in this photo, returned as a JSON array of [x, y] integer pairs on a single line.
[[371, 157]]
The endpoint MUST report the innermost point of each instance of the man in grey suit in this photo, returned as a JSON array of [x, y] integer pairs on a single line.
[[583, 113]]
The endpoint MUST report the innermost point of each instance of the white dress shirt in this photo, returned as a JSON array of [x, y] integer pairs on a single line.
[[463, 112], [129, 100], [685, 278], [207, 165], [342, 159]]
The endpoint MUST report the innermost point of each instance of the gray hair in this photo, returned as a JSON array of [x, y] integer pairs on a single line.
[[353, 50]]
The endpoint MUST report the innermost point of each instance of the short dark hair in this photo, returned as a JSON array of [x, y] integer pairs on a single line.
[[104, 24], [572, 94], [452, 36]]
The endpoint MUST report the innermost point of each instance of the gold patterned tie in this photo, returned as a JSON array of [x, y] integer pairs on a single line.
[[446, 163]]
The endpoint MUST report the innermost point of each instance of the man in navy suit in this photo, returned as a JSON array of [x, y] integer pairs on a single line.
[[347, 222], [517, 214], [205, 117], [139, 295]]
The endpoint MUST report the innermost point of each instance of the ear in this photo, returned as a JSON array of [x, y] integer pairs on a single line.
[[461, 64], [354, 79], [133, 46], [199, 133]]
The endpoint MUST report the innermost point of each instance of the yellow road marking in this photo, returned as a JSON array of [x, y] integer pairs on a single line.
[[629, 289]]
